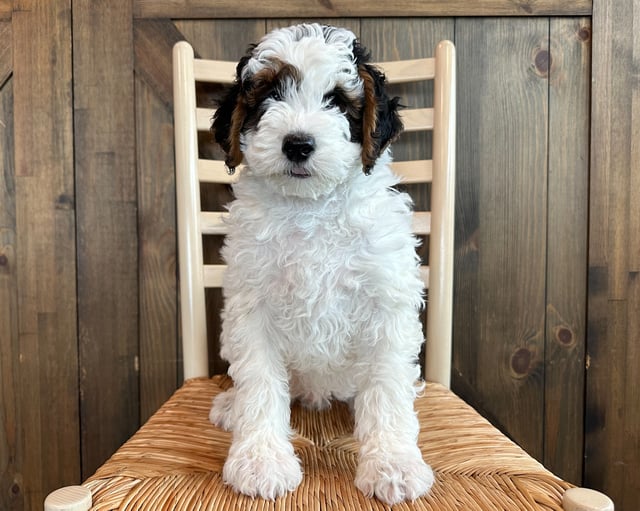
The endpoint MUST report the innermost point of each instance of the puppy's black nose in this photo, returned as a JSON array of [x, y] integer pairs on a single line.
[[298, 147]]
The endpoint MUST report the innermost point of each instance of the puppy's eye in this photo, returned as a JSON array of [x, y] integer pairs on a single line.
[[330, 100], [335, 99], [275, 95]]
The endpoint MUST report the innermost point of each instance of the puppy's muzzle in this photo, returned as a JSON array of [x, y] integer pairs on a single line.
[[298, 147]]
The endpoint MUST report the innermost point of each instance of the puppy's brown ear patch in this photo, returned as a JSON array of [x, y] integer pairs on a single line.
[[229, 119], [381, 122], [227, 125], [369, 120], [234, 153]]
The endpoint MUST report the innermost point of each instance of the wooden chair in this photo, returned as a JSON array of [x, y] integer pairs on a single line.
[[175, 460]]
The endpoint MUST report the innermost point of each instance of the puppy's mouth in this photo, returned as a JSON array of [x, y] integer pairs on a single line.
[[299, 172]]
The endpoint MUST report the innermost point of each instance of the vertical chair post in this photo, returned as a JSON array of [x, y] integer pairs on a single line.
[[440, 298], [194, 333]]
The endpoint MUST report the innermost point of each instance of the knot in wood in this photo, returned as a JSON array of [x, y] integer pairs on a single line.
[[564, 335], [521, 362], [584, 34], [542, 61]]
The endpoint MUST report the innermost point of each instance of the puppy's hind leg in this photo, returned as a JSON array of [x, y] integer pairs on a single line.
[[222, 408], [302, 391]]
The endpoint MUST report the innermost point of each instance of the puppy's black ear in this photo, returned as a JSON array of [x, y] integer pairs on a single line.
[[381, 122], [229, 119]]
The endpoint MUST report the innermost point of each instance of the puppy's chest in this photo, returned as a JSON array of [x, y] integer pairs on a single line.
[[305, 269], [314, 266], [312, 296]]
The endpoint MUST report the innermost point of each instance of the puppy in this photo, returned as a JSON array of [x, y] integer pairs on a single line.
[[322, 292]]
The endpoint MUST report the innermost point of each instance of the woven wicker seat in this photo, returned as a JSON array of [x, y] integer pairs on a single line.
[[175, 461]]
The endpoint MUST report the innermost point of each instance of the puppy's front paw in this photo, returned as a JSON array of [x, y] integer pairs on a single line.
[[393, 480], [262, 472], [220, 414]]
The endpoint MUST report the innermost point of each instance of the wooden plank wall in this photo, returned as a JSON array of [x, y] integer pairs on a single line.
[[547, 196], [106, 209], [516, 200], [45, 381], [613, 380]]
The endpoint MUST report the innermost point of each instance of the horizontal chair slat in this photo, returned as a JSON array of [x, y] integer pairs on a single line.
[[424, 273], [213, 222], [414, 171], [214, 71], [204, 118], [417, 119], [414, 119], [215, 171], [421, 223], [402, 71], [414, 70], [213, 274]]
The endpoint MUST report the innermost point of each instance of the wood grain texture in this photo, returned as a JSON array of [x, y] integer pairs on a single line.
[[157, 235], [355, 8], [501, 239], [612, 427], [5, 9], [6, 54], [352, 24], [153, 42], [11, 454], [47, 373], [569, 82], [159, 336], [107, 226]]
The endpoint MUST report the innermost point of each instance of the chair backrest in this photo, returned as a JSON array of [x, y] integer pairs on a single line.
[[193, 223]]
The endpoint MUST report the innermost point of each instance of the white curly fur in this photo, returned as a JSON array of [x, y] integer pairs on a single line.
[[322, 292]]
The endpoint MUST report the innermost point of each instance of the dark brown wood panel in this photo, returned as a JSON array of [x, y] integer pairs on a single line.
[[612, 446], [47, 373], [352, 24], [355, 8], [11, 454], [107, 226], [157, 234], [159, 337], [222, 39], [153, 43], [502, 175], [6, 55], [569, 82], [5, 9]]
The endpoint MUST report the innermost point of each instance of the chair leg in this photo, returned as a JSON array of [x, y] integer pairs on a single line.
[[69, 498], [584, 499]]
